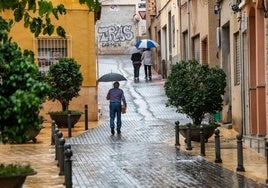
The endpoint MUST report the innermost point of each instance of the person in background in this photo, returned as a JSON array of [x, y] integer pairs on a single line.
[[147, 62], [136, 62], [116, 96]]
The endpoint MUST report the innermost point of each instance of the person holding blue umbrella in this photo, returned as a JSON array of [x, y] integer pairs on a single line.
[[146, 58], [147, 63]]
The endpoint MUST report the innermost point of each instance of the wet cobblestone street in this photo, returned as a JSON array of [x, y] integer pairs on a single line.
[[142, 156]]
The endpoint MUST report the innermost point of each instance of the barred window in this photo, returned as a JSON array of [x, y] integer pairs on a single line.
[[196, 48], [185, 45], [49, 51], [237, 64], [204, 47]]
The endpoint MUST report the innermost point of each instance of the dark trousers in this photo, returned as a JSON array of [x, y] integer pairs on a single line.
[[148, 71], [137, 70]]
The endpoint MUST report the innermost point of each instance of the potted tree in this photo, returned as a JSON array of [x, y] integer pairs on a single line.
[[65, 80], [196, 90], [14, 175], [22, 91]]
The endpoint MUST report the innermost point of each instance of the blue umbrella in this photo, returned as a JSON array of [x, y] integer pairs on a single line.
[[146, 43]]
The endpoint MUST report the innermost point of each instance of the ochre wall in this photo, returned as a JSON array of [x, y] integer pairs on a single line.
[[80, 28]]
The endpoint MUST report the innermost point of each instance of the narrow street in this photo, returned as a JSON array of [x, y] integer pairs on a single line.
[[144, 154]]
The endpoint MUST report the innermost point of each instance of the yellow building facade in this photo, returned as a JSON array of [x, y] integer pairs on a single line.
[[79, 44]]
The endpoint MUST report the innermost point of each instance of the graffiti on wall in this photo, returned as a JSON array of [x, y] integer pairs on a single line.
[[113, 36]]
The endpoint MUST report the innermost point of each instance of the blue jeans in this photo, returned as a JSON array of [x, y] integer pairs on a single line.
[[115, 110]]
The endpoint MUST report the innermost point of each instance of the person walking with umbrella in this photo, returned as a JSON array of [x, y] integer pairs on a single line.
[[146, 58], [136, 62], [116, 96], [147, 62]]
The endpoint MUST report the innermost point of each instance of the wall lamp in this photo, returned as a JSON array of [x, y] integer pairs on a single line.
[[265, 8], [217, 7], [235, 7]]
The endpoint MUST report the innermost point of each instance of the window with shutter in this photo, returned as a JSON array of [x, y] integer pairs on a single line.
[[237, 64], [196, 48], [185, 45], [204, 48]]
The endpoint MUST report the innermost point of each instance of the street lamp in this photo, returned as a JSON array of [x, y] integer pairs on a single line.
[[217, 7], [136, 20]]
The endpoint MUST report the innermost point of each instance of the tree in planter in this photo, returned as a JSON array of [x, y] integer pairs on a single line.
[[195, 89], [22, 91], [14, 175], [65, 79]]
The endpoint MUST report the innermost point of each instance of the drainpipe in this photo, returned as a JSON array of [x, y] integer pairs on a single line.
[[180, 30], [189, 30], [242, 78]]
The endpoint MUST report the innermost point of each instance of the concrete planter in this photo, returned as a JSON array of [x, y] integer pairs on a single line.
[[61, 120], [32, 135], [195, 132], [15, 181]]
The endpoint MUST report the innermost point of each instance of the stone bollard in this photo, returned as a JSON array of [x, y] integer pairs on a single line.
[[202, 141], [240, 166], [53, 126], [188, 137], [68, 168], [61, 156], [69, 125], [59, 135], [177, 133], [217, 146], [56, 142], [266, 154], [86, 117]]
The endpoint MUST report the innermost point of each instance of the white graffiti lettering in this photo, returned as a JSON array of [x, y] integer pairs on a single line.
[[114, 34]]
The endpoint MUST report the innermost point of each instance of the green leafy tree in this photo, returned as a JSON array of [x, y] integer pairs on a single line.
[[195, 89], [36, 14], [22, 90], [65, 79]]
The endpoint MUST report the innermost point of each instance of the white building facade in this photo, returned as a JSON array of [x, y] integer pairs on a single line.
[[122, 23]]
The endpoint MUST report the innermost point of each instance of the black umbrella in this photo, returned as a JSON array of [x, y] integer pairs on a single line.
[[111, 77]]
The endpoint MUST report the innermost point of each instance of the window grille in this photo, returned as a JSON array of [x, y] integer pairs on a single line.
[[49, 50], [204, 47], [185, 46], [237, 64], [173, 31], [196, 48]]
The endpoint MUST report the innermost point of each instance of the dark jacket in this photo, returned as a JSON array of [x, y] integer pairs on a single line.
[[136, 57]]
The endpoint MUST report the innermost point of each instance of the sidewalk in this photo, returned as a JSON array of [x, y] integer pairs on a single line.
[[254, 163], [41, 156]]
